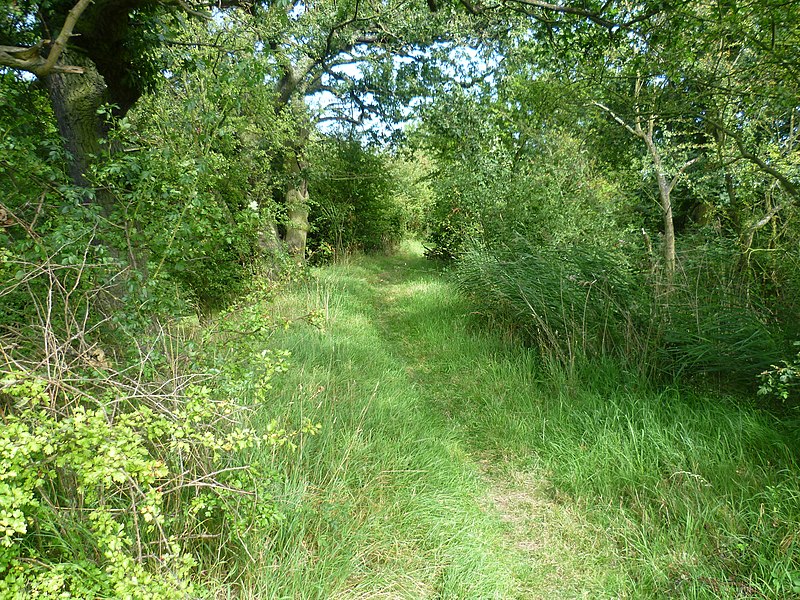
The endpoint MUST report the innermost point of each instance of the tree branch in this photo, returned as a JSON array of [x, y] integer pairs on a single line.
[[619, 120], [30, 59], [787, 184], [681, 171], [747, 236], [191, 11], [63, 37], [595, 17], [569, 10]]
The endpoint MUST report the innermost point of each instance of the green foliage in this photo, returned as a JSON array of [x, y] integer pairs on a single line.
[[452, 229], [546, 190], [537, 233], [356, 207], [47, 228], [183, 206], [195, 190], [525, 201], [575, 302], [99, 467], [118, 487], [137, 473], [412, 190], [125, 474], [782, 381]]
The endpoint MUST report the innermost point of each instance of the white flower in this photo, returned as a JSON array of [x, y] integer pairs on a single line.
[[253, 205]]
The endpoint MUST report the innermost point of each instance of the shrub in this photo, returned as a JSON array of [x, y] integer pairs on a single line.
[[782, 381], [551, 195], [188, 210], [121, 470], [355, 201]]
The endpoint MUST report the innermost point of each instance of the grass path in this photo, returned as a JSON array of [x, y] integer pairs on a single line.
[[396, 498], [448, 466], [552, 551]]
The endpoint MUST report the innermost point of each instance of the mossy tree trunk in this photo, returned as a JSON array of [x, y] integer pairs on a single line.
[[296, 207], [76, 99]]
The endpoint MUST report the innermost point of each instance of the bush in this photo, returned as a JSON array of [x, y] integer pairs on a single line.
[[782, 381], [120, 458], [192, 204], [354, 195]]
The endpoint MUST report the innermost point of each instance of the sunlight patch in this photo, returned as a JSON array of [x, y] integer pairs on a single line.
[[419, 287], [358, 321]]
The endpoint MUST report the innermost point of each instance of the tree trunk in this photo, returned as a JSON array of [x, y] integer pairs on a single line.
[[296, 209], [664, 185], [664, 192], [76, 100], [669, 226]]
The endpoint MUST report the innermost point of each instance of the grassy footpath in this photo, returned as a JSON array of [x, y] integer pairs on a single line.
[[451, 464]]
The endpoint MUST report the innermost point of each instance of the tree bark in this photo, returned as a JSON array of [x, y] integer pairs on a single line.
[[296, 208], [664, 193], [75, 100]]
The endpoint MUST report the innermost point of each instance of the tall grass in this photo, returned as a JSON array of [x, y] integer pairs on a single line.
[[452, 463], [581, 303], [379, 504], [573, 303], [717, 319]]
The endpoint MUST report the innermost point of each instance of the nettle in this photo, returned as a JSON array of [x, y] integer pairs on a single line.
[[782, 381], [124, 495]]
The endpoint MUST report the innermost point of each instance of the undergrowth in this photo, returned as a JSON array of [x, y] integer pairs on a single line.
[[124, 466], [576, 303]]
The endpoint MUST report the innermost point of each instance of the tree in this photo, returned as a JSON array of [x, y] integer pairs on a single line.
[[97, 57], [342, 55], [644, 128], [104, 54]]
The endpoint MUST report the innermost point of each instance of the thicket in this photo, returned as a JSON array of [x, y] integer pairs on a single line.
[[558, 243], [358, 201], [630, 196], [127, 463], [122, 470]]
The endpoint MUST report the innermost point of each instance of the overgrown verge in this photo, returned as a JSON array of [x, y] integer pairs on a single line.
[[555, 233], [124, 466], [581, 302]]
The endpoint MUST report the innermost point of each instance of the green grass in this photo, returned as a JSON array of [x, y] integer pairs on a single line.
[[454, 464]]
